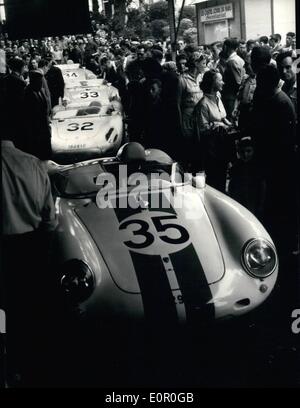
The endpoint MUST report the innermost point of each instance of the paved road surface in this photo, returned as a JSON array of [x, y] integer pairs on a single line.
[[257, 351]]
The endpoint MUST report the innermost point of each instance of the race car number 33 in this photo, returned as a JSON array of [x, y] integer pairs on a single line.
[[154, 233]]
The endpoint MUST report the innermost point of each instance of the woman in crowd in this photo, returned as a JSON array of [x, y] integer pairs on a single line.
[[188, 95], [203, 60], [211, 130]]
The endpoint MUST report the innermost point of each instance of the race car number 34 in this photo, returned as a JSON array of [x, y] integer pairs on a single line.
[[154, 234]]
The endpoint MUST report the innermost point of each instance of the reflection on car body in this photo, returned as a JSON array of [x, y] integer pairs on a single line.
[[81, 92], [182, 253], [93, 130], [73, 72], [89, 122]]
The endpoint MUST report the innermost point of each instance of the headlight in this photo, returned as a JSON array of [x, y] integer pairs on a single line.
[[259, 258], [77, 281]]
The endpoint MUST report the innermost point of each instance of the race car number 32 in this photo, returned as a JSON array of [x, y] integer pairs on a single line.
[[161, 230], [72, 127]]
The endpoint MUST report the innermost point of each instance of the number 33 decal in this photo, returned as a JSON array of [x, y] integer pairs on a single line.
[[87, 94], [160, 227]]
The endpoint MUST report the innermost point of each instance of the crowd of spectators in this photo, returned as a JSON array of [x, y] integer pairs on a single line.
[[195, 108], [228, 108]]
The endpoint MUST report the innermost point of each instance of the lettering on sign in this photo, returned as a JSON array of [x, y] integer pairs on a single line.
[[216, 13]]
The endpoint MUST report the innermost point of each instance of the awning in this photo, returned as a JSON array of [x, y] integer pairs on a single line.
[[197, 2]]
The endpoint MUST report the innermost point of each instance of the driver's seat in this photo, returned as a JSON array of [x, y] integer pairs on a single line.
[[131, 152]]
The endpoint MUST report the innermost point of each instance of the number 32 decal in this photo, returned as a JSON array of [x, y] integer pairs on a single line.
[[160, 227], [76, 126]]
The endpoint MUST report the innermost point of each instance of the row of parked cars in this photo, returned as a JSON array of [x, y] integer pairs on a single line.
[[89, 122], [138, 239]]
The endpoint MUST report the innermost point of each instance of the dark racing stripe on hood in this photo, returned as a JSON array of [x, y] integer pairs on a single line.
[[160, 202], [193, 285], [156, 201], [123, 213], [158, 301]]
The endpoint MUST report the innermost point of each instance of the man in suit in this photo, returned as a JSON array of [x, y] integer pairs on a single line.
[[11, 104], [55, 82], [38, 133]]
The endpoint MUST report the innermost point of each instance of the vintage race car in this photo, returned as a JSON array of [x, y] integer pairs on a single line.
[[138, 240], [89, 130], [73, 73], [80, 93]]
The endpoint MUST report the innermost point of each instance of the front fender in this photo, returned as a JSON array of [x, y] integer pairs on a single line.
[[234, 226]]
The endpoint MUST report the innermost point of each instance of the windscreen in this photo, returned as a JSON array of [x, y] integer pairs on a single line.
[[86, 181]]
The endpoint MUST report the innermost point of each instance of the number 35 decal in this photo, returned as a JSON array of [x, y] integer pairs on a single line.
[[76, 126], [160, 227]]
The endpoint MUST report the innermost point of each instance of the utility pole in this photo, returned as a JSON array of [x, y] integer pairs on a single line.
[[172, 27]]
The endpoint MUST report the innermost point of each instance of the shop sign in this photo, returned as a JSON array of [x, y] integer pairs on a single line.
[[216, 13]]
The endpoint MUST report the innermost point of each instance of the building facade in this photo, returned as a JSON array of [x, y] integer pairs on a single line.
[[244, 19]]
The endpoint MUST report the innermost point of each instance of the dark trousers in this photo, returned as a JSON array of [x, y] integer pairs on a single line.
[[27, 300], [216, 174], [229, 104]]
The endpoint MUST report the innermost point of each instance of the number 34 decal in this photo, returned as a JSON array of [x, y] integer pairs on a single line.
[[76, 126], [160, 227]]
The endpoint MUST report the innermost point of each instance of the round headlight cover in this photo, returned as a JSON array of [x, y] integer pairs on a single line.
[[77, 281], [259, 258]]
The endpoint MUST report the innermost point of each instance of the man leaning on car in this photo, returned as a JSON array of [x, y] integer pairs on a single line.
[[28, 217]]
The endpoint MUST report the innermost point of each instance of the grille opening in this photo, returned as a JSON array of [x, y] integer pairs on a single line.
[[108, 134], [242, 303]]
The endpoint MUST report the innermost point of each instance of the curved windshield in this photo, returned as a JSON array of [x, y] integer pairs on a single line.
[[115, 177], [89, 110], [99, 110]]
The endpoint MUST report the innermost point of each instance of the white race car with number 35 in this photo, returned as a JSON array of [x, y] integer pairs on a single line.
[[180, 252]]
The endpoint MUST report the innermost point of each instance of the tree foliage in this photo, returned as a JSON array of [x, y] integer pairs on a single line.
[[157, 27], [95, 6], [119, 18], [158, 11], [149, 20], [190, 36], [136, 23], [190, 13], [185, 24]]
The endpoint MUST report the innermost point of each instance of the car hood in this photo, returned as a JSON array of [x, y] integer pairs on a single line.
[[102, 94], [84, 130], [176, 245]]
